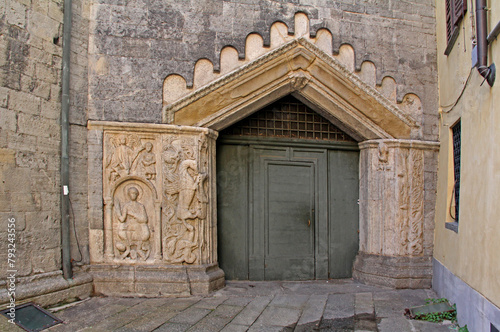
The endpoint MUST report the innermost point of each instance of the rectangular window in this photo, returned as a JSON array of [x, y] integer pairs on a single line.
[[455, 11], [456, 131]]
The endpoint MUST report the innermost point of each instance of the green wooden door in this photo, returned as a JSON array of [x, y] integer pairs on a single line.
[[286, 211], [288, 206]]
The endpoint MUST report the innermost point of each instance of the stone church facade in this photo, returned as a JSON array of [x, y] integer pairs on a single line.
[[152, 86]]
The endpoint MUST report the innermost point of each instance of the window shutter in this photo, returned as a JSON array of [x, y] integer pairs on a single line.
[[459, 9], [449, 18], [455, 10]]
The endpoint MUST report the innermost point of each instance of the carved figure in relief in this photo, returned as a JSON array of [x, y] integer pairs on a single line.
[[403, 201], [185, 201], [190, 185], [148, 161], [133, 230], [181, 243], [121, 161], [383, 157], [415, 238], [202, 190]]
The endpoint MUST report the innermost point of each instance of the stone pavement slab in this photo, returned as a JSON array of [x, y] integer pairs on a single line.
[[334, 305], [313, 310]]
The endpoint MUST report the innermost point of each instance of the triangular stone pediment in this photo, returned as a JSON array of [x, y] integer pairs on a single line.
[[302, 69]]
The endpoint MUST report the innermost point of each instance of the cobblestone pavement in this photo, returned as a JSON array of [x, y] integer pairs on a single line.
[[335, 305]]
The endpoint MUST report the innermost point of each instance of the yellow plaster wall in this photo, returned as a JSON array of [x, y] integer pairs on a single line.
[[472, 254]]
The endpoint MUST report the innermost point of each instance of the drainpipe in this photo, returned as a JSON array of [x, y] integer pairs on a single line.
[[489, 73], [65, 234]]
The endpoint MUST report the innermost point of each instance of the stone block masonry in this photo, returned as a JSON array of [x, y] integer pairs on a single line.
[[30, 107], [29, 72]]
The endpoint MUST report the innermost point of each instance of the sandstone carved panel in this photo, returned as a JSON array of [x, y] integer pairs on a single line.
[[131, 207], [416, 217], [394, 197], [410, 177], [131, 222], [158, 205], [184, 212], [129, 154]]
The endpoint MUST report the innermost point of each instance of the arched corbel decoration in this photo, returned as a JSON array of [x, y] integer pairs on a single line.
[[302, 69]]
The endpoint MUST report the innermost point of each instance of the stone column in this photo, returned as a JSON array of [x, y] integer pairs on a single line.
[[156, 235], [396, 213]]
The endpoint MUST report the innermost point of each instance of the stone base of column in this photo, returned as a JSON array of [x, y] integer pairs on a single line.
[[394, 272], [156, 280]]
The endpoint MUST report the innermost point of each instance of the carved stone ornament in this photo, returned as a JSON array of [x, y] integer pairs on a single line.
[[299, 80], [410, 202], [392, 197], [156, 196], [184, 209]]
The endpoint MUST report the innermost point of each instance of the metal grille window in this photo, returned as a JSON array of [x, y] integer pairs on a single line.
[[456, 130], [288, 118]]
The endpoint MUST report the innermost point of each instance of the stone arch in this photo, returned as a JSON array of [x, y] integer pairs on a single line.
[[134, 178]]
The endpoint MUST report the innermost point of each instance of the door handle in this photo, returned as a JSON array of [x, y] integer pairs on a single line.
[[309, 222]]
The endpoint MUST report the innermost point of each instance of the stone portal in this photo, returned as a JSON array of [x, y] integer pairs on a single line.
[[152, 190]]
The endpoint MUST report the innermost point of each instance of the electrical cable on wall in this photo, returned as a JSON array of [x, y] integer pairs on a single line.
[[452, 105]]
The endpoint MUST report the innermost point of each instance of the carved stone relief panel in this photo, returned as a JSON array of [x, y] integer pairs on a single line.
[[131, 205], [416, 217], [130, 154], [157, 196], [133, 221], [410, 176], [392, 197], [185, 198]]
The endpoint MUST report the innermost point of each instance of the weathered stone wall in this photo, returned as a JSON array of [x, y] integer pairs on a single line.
[[30, 76], [30, 106], [134, 45]]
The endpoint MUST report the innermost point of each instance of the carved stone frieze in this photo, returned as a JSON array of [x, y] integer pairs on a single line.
[[403, 212], [416, 212], [131, 205], [131, 224], [410, 178], [129, 154]]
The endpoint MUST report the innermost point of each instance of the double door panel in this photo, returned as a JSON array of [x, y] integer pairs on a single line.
[[276, 218]]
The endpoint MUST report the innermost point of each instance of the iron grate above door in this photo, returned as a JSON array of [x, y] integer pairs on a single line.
[[288, 118]]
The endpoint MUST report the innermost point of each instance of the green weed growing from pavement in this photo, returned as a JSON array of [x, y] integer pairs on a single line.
[[438, 317]]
